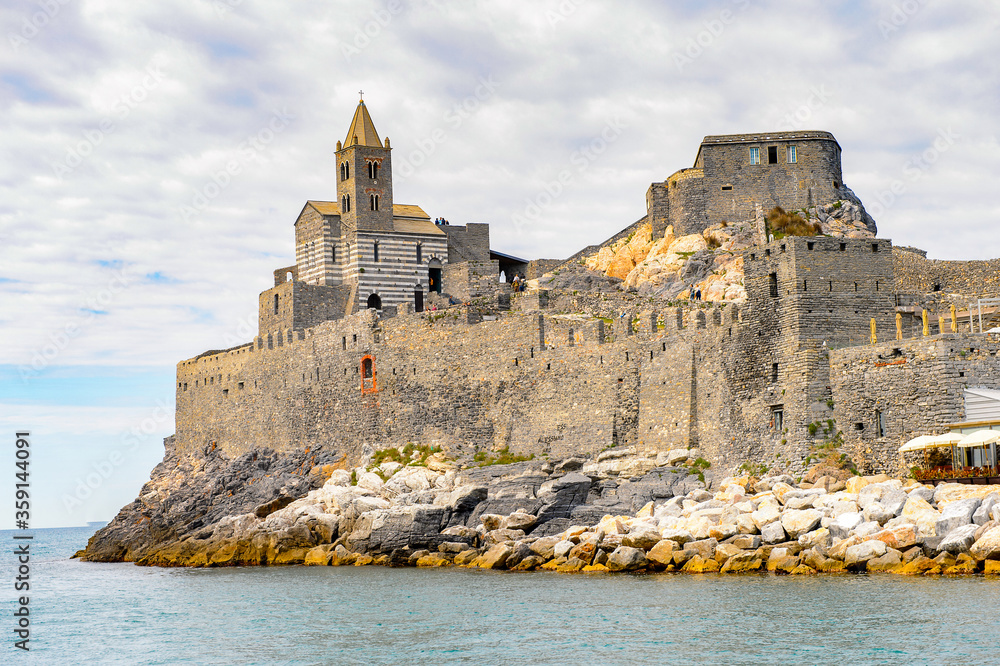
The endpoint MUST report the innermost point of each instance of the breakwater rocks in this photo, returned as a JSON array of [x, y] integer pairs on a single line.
[[629, 513]]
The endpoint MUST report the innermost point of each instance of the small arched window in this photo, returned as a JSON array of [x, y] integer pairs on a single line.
[[373, 200], [420, 252], [373, 170], [375, 251], [368, 377], [345, 203]]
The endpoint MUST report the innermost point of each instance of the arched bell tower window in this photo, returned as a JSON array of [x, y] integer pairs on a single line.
[[345, 203], [345, 170], [372, 169], [373, 200]]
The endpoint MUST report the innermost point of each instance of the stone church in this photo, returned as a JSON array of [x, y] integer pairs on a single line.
[[367, 250]]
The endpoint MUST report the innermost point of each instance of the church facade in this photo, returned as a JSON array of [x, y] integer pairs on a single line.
[[388, 253]]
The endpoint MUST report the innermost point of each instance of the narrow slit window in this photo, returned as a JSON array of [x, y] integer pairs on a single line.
[[375, 249], [275, 304], [773, 283]]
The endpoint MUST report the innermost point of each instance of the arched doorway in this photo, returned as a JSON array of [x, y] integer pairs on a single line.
[[375, 302], [434, 275]]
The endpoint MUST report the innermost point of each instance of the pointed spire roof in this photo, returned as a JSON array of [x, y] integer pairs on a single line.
[[363, 128]]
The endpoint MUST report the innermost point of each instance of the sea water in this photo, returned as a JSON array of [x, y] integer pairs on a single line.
[[84, 612]]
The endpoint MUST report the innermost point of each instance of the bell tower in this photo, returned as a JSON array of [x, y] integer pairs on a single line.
[[364, 177]]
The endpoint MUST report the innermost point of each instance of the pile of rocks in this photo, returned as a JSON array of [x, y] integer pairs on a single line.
[[620, 512]]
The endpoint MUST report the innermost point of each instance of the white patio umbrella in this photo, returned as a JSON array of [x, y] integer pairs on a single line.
[[980, 438], [947, 439], [917, 443]]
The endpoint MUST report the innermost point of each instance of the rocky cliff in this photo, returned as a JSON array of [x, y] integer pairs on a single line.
[[675, 267], [618, 512]]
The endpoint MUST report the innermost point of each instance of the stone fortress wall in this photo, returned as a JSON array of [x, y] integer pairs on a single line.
[[567, 373]]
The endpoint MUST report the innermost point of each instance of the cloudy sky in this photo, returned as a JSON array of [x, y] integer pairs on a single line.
[[155, 156]]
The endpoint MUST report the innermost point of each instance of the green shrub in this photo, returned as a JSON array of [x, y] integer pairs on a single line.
[[501, 457]]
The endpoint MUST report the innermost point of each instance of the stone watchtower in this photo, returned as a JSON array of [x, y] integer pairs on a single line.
[[364, 178], [733, 174], [808, 295]]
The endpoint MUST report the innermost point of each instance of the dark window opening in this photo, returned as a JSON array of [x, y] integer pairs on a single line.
[[810, 245], [420, 253], [275, 304], [548, 366], [805, 285], [355, 338], [767, 253], [936, 287], [225, 392], [375, 302], [345, 203], [772, 154], [855, 286], [418, 299], [240, 385], [343, 342], [782, 248], [876, 285], [836, 185], [373, 170], [880, 423], [774, 373], [375, 250], [961, 374], [831, 289], [843, 246], [373, 201], [874, 247], [778, 417], [773, 281], [752, 256], [726, 187], [859, 426]]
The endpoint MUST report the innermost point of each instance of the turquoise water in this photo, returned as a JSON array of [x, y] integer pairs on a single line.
[[119, 613]]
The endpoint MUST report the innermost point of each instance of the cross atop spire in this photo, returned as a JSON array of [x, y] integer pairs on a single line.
[[362, 128], [361, 93]]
